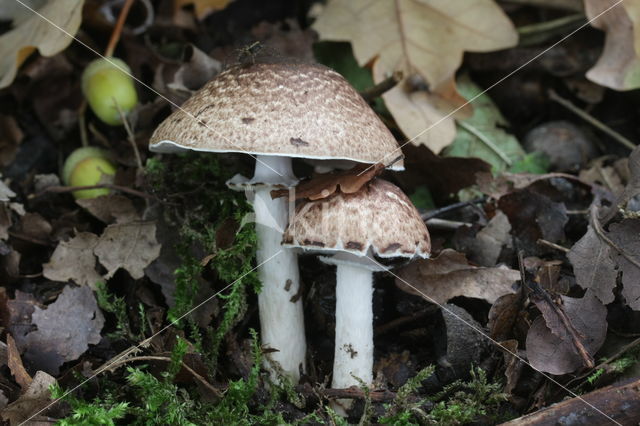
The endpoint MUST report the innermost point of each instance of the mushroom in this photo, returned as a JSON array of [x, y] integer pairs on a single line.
[[379, 221], [277, 112]]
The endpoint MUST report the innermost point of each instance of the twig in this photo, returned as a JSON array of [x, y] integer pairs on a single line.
[[553, 245], [488, 142], [30, 239], [354, 393], [64, 189], [117, 29], [198, 377], [130, 136], [620, 402], [385, 85], [445, 224], [446, 209], [591, 120], [407, 319]]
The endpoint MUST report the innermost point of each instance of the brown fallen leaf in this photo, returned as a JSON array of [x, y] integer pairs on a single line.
[[534, 216], [619, 65], [64, 330], [130, 246], [424, 40], [626, 236], [34, 33], [503, 315], [15, 364], [551, 349], [112, 208], [74, 260], [593, 266], [484, 247], [450, 275], [35, 398], [325, 185]]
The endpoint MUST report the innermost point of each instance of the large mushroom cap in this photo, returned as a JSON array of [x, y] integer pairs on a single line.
[[379, 217], [293, 110]]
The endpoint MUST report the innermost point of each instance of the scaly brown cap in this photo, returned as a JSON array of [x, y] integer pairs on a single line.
[[380, 216], [293, 110]]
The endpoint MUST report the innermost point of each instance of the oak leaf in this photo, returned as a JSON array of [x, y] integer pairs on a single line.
[[425, 39], [35, 32], [619, 65]]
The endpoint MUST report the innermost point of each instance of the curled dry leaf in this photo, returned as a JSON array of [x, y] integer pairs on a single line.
[[131, 246], [64, 329], [554, 352], [74, 260], [626, 236], [15, 364], [424, 40], [36, 33], [324, 185], [450, 275], [619, 66]]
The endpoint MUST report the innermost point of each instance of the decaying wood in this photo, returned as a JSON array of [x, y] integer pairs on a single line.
[[620, 404]]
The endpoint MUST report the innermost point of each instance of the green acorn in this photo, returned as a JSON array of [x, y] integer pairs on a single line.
[[103, 83], [88, 166]]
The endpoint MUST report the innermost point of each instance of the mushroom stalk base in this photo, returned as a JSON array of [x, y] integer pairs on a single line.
[[353, 353], [280, 304]]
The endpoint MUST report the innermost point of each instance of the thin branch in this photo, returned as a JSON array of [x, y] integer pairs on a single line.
[[595, 223], [553, 245], [379, 89], [64, 189], [117, 29], [591, 120]]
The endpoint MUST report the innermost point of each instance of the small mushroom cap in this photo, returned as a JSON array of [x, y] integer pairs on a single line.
[[379, 217], [292, 110]]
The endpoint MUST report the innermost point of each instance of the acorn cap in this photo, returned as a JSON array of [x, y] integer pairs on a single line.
[[293, 110], [379, 217]]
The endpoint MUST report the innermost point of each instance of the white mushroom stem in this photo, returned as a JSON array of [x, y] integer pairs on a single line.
[[353, 353], [280, 304]]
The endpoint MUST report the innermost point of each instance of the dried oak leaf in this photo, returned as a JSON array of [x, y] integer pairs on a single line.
[[619, 66], [131, 246], [553, 351], [65, 329], [34, 399], [593, 266], [324, 185], [74, 260], [424, 40], [450, 275], [626, 235], [34, 33]]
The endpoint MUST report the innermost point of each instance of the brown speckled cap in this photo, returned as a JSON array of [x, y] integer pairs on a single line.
[[293, 110], [378, 217]]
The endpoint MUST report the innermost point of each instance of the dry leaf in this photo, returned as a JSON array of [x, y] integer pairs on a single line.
[[593, 266], [423, 39], [203, 8], [485, 246], [64, 329], [131, 246], [110, 208], [34, 33], [35, 398], [74, 260], [503, 315], [324, 185], [554, 352], [450, 275], [15, 364], [619, 66], [626, 235]]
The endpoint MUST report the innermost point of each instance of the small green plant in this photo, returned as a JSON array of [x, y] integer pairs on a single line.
[[403, 411], [465, 401], [96, 412], [117, 306]]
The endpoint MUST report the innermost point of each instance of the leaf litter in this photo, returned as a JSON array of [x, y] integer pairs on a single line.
[[85, 279]]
